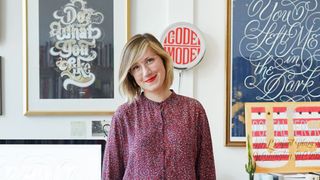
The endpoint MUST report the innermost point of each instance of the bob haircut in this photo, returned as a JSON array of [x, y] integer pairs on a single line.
[[131, 53]]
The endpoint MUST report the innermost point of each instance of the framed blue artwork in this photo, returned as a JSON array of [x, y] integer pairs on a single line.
[[273, 55]]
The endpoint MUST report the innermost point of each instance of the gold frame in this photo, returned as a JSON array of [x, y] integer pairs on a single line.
[[228, 141], [254, 77], [26, 109]]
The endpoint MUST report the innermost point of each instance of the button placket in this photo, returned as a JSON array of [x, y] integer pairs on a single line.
[[162, 114]]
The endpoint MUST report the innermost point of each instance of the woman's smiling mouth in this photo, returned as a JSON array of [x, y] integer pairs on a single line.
[[151, 79]]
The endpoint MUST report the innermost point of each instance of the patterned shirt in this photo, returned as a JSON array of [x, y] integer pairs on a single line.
[[166, 140]]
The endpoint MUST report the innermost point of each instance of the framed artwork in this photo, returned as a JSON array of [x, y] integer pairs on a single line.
[[272, 56], [284, 137], [100, 128], [71, 55]]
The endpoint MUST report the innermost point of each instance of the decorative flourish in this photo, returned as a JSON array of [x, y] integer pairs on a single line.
[[281, 43]]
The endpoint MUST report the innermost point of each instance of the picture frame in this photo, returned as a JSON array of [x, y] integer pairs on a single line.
[[71, 51], [284, 136], [271, 56]]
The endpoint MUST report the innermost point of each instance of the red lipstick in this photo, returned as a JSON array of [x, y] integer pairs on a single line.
[[151, 79]]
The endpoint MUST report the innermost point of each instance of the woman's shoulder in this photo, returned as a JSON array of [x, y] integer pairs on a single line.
[[188, 100], [126, 108], [123, 108], [190, 103]]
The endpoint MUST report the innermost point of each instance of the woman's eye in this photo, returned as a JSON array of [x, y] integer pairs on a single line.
[[150, 60], [134, 68]]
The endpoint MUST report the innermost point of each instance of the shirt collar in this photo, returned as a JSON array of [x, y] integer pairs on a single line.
[[169, 99]]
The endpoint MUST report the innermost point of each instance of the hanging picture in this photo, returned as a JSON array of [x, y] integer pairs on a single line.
[[272, 56], [284, 137], [72, 50]]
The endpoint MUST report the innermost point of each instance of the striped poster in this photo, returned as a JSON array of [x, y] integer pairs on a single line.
[[284, 137]]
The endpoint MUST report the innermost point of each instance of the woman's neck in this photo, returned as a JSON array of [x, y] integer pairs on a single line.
[[158, 96]]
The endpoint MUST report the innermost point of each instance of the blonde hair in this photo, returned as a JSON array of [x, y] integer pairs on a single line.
[[131, 53]]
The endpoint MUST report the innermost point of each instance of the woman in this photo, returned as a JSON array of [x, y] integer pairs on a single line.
[[157, 134]]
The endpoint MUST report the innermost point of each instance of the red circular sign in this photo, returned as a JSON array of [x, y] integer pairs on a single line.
[[185, 44]]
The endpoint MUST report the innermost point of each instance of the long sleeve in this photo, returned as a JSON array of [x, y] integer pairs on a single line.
[[205, 167], [113, 164]]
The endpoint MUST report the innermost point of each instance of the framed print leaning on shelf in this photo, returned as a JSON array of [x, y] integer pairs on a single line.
[[272, 56], [284, 136], [71, 55]]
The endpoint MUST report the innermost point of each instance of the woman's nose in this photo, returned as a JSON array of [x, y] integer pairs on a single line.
[[146, 71]]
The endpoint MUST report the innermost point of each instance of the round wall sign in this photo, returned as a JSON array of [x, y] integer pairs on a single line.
[[185, 44]]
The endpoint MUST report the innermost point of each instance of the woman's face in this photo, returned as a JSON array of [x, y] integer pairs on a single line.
[[149, 73]]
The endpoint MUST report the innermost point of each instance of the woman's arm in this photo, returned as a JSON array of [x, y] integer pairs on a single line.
[[205, 167], [113, 164]]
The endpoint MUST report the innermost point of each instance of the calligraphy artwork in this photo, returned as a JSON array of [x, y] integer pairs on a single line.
[[71, 51], [76, 49], [273, 56], [284, 137]]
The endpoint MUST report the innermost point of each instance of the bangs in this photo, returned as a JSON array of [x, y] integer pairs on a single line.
[[140, 51]]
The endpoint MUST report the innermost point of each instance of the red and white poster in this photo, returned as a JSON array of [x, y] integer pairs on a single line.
[[284, 137], [185, 44]]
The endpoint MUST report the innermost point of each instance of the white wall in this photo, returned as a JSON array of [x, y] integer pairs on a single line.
[[208, 78]]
